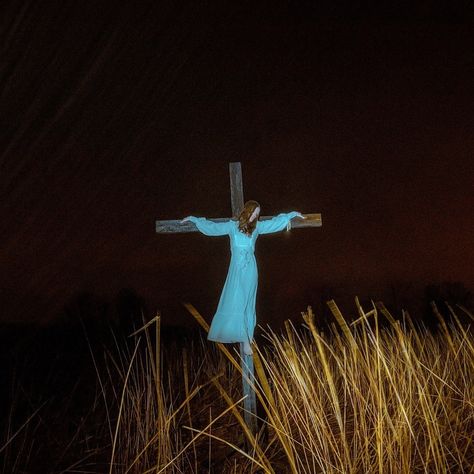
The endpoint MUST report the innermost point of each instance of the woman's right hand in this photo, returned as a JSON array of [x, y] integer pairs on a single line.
[[185, 219]]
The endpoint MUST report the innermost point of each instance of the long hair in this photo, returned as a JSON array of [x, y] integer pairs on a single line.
[[245, 225]]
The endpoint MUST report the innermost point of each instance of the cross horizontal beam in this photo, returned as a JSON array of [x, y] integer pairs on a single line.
[[175, 226]]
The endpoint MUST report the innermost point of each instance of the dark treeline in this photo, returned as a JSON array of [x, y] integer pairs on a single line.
[[50, 376], [50, 373]]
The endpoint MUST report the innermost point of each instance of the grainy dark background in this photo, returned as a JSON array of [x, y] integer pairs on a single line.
[[114, 114]]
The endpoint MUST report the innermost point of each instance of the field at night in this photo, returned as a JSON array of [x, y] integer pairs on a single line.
[[203, 206], [377, 395]]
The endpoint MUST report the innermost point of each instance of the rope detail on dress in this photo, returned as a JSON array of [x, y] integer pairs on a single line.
[[244, 256]]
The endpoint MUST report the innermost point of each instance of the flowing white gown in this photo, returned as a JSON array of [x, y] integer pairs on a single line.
[[235, 318]]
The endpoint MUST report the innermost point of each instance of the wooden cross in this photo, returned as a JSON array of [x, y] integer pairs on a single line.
[[237, 201]]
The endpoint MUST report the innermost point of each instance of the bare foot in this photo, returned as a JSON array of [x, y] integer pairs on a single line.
[[247, 348]]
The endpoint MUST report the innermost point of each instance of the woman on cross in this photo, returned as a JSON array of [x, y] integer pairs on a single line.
[[235, 318]]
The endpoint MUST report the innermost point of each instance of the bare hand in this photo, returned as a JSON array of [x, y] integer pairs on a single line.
[[185, 219], [300, 215]]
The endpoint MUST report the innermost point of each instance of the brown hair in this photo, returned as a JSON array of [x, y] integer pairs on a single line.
[[245, 225]]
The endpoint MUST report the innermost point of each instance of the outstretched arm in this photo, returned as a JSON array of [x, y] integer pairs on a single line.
[[277, 223], [208, 227]]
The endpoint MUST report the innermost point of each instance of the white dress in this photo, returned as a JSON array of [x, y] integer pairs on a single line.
[[235, 318]]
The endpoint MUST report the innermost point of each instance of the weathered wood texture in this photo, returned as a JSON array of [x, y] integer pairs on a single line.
[[236, 188], [250, 403], [175, 226]]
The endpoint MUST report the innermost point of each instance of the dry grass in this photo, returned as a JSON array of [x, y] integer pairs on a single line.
[[378, 395], [360, 399]]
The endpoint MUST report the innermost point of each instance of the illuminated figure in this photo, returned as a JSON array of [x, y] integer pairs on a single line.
[[235, 318]]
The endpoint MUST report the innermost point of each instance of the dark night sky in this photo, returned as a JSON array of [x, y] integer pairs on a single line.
[[113, 116]]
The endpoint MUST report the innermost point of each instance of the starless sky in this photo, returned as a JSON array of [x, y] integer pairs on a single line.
[[115, 115]]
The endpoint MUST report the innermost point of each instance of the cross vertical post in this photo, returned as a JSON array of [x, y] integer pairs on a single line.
[[250, 406]]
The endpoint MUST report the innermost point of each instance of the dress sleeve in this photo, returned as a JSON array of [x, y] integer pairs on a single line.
[[275, 224], [208, 227]]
